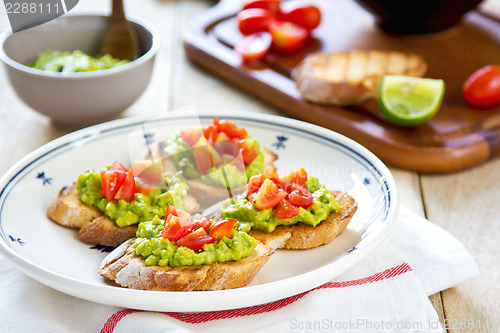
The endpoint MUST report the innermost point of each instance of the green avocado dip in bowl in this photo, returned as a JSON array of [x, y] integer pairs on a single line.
[[68, 88], [73, 62]]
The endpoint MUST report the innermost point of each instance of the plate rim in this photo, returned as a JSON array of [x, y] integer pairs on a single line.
[[240, 297]]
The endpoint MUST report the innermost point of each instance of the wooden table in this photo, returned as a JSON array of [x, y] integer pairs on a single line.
[[465, 203]]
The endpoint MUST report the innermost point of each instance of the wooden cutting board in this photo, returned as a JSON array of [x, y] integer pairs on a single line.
[[458, 137]]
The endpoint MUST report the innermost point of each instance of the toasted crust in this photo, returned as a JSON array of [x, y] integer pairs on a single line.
[[303, 236], [207, 195], [353, 77], [128, 270], [68, 210]]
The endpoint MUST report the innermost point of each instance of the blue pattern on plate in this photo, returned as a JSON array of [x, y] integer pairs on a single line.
[[102, 248], [16, 240], [45, 180], [281, 141]]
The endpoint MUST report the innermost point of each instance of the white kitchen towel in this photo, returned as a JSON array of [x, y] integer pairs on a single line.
[[386, 292]]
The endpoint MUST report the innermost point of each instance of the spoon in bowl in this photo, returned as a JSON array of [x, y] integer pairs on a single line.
[[120, 39]]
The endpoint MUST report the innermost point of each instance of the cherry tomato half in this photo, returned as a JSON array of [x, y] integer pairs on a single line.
[[271, 5], [287, 36], [307, 16], [254, 46], [286, 210], [253, 20], [482, 88]]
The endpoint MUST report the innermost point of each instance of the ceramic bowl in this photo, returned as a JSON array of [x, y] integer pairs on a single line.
[[417, 17], [76, 99]]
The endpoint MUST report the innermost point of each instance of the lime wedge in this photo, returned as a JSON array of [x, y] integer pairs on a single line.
[[410, 101]]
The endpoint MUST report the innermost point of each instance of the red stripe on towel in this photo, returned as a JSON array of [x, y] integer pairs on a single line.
[[203, 317]]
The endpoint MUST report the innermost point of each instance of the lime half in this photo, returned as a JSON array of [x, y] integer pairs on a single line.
[[410, 101]]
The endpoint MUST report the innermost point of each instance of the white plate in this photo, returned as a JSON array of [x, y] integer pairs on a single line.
[[54, 255]]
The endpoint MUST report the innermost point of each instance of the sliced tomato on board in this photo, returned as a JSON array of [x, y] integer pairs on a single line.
[[300, 196], [286, 210], [268, 196], [255, 46], [271, 5], [304, 15], [196, 239], [482, 88], [253, 20], [287, 36], [223, 228]]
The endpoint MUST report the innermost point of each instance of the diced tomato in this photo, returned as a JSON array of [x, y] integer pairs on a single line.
[[149, 172], [255, 182], [118, 166], [271, 5], [184, 218], [191, 135], [230, 128], [223, 228], [287, 36], [286, 210], [170, 211], [202, 157], [141, 189], [253, 20], [173, 230], [227, 147], [298, 176], [249, 150], [201, 221], [210, 133], [255, 46], [306, 16], [300, 196], [196, 239], [127, 189], [268, 196], [111, 181]]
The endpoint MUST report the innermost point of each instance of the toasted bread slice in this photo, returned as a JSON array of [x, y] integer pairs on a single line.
[[303, 236], [68, 210], [128, 270], [353, 77], [206, 194]]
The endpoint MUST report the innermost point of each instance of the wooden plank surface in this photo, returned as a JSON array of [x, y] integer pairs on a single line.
[[465, 203], [458, 137]]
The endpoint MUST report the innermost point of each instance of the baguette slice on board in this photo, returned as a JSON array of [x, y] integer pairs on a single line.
[[352, 77]]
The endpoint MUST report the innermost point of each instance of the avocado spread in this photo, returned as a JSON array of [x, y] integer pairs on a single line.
[[250, 217], [142, 208], [179, 151], [160, 251], [72, 62]]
